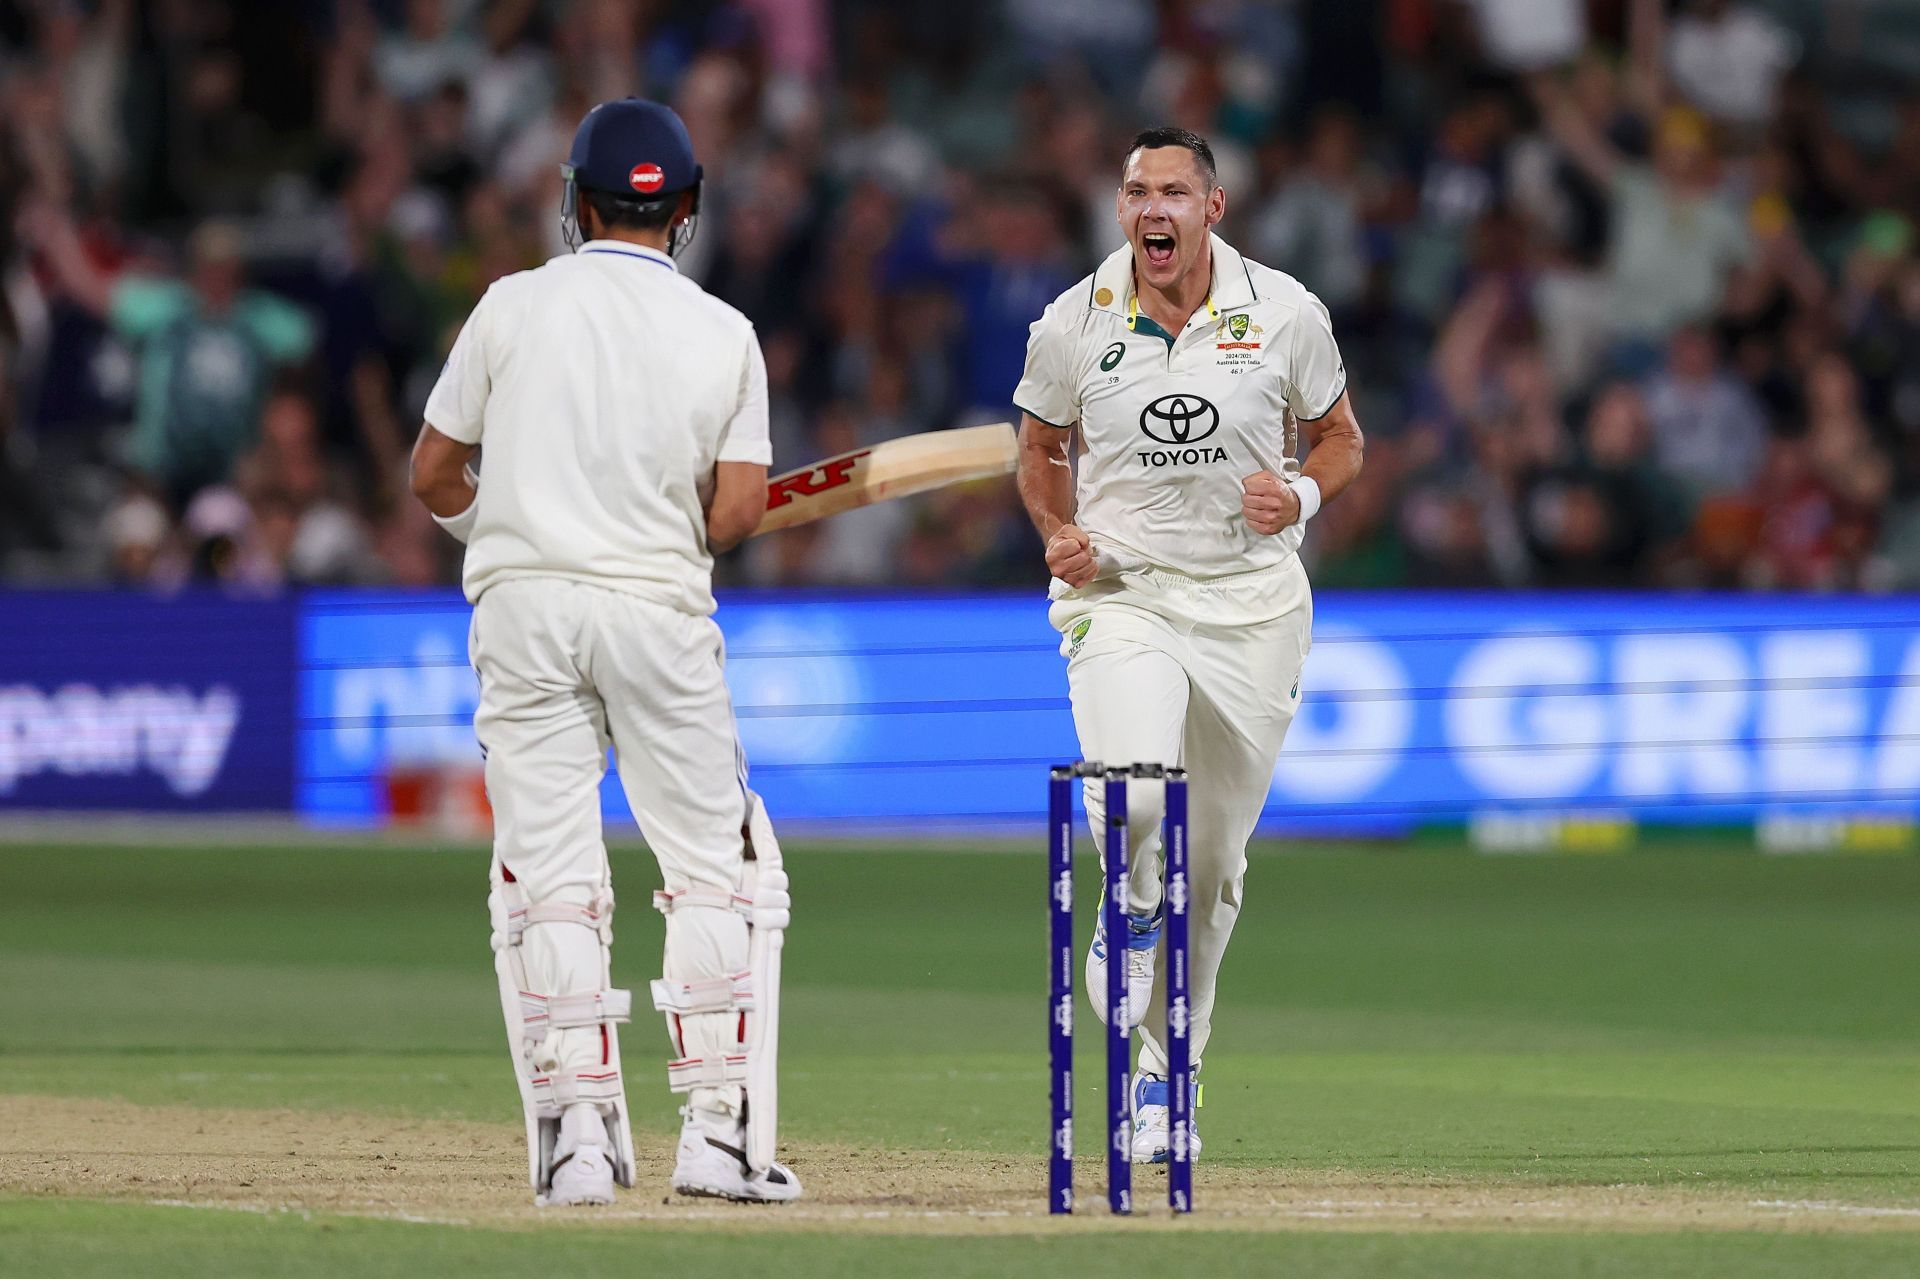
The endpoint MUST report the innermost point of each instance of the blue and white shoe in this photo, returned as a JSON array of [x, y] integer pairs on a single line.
[[1143, 939], [1151, 1118]]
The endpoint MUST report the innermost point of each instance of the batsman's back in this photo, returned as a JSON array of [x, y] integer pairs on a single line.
[[602, 388]]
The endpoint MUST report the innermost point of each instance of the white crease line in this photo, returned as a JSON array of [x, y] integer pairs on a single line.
[[1323, 1209], [262, 1210], [1821, 1205]]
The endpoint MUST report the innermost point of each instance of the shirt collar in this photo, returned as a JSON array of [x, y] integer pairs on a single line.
[[1232, 280], [627, 249]]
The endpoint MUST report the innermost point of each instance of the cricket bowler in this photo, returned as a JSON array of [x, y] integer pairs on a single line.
[[1180, 377], [622, 413]]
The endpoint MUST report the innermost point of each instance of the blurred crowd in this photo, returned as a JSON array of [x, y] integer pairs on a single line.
[[1628, 288]]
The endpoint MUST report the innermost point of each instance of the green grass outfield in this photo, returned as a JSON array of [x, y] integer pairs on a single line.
[[1628, 1035]]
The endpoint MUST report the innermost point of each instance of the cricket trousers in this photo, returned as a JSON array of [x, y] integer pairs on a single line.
[[1159, 670], [566, 670]]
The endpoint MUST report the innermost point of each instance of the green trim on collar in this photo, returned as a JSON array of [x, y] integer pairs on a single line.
[[1144, 323]]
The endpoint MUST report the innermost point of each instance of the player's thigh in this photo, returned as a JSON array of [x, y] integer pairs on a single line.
[[1246, 688], [1248, 677], [1129, 691], [661, 673], [544, 734]]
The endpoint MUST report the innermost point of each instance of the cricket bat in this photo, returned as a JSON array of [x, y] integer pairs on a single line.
[[895, 468]]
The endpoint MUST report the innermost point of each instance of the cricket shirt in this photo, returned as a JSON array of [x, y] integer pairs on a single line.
[[602, 388], [1171, 423]]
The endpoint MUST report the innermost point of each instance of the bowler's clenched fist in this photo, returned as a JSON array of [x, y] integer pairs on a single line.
[[1268, 503], [1070, 556]]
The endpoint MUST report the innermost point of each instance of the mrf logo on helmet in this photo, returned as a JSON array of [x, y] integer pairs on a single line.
[[634, 151]]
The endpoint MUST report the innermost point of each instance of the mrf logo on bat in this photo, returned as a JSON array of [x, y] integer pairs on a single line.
[[831, 474]]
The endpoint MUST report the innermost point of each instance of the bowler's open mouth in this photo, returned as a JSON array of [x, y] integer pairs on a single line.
[[1158, 246]]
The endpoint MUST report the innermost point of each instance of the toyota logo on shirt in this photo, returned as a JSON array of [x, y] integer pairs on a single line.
[[1179, 419]]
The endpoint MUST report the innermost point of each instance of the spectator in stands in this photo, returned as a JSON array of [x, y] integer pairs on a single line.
[[1357, 543], [1001, 255], [1599, 516], [225, 544], [1708, 427], [875, 147], [1462, 179], [312, 538], [1674, 235], [1880, 309], [1314, 226], [891, 205], [427, 54], [26, 521], [209, 348], [1800, 539], [139, 536], [1845, 454]]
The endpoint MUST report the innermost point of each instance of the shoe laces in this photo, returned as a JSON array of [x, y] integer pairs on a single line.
[[1143, 931]]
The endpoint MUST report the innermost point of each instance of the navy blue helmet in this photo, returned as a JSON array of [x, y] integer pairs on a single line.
[[639, 153]]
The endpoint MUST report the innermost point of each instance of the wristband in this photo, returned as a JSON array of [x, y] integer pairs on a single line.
[[1307, 489], [461, 525]]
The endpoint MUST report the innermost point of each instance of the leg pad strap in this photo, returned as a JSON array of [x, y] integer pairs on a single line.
[[666, 903], [553, 1093], [598, 916], [714, 995], [689, 1073], [542, 1014]]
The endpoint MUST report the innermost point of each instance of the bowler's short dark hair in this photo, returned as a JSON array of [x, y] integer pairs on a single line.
[[1187, 139]]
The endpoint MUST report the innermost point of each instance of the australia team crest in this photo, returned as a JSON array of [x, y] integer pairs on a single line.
[[1238, 335]]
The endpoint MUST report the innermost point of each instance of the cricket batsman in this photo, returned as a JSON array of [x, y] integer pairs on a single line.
[[623, 416], [1181, 377]]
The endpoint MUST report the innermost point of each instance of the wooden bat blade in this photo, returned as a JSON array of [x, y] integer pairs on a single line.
[[894, 468]]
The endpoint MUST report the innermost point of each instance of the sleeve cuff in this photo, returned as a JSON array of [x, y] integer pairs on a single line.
[[1058, 426], [1330, 403], [455, 433]]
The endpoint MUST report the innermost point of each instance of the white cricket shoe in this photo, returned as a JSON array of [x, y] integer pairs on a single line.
[[715, 1166], [1152, 1119], [1143, 940], [582, 1165]]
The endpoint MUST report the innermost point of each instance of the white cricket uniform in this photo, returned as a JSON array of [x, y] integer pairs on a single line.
[[603, 387], [1187, 647]]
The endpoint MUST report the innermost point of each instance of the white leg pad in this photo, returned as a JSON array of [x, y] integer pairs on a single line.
[[707, 995], [555, 1063]]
